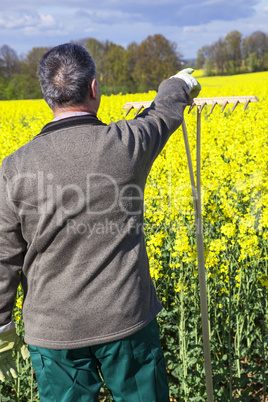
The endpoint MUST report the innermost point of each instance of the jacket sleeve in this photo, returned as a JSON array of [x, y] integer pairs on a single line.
[[12, 250], [150, 130]]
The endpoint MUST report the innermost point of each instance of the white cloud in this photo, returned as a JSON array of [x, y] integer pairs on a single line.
[[47, 20], [16, 23], [193, 29], [110, 17], [27, 21]]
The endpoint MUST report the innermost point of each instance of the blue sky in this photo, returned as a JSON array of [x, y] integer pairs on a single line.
[[190, 24]]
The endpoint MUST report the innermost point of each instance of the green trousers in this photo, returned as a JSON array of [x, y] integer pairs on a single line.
[[132, 368]]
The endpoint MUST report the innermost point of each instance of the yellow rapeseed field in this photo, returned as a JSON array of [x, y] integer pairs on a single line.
[[234, 152]]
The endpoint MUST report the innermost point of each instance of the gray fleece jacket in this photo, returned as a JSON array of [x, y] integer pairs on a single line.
[[71, 225]]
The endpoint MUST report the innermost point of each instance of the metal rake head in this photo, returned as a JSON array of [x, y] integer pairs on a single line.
[[200, 103]]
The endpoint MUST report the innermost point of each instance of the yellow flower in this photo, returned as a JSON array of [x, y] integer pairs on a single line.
[[263, 280]]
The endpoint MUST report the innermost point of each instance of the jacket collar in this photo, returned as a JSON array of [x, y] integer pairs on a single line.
[[68, 122]]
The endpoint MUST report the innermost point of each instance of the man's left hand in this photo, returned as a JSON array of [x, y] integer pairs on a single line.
[[9, 340]]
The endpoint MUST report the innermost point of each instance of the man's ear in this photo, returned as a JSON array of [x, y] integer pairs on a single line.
[[93, 89]]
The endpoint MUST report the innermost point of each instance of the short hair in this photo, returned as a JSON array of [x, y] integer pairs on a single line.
[[65, 74]]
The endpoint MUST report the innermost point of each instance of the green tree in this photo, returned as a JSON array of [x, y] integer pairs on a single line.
[[30, 63], [27, 85], [202, 55], [232, 42], [255, 51], [9, 62], [219, 56], [97, 51], [132, 57], [115, 76], [9, 68], [157, 59]]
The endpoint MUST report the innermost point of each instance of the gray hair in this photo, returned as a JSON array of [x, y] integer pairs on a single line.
[[65, 74]]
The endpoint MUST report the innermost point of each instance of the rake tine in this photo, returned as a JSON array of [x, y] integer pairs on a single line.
[[191, 107], [202, 107], [131, 107], [138, 111], [236, 103], [246, 104], [212, 107], [224, 106]]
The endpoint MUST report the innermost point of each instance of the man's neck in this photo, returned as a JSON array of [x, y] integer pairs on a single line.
[[70, 114], [57, 112]]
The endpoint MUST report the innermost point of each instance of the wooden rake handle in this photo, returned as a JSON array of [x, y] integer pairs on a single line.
[[196, 192]]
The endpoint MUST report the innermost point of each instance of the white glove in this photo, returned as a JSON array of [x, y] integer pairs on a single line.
[[9, 340], [191, 82]]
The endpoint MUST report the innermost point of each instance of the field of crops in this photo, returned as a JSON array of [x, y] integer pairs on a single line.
[[235, 222]]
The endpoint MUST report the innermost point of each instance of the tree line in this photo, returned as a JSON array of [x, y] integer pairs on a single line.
[[234, 54], [137, 68]]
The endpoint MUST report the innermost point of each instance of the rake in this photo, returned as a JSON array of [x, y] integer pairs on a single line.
[[196, 193]]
